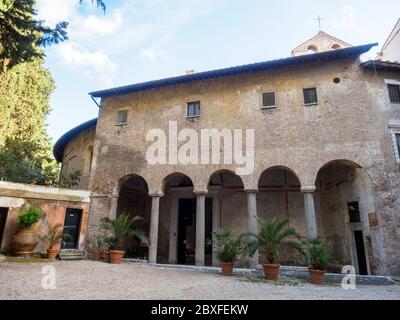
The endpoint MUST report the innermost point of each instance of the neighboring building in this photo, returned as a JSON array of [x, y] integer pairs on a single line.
[[391, 48], [320, 43], [75, 150], [68, 208], [325, 156]]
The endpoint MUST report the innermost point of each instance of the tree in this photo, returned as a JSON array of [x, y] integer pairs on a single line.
[[22, 37], [100, 4], [25, 148]]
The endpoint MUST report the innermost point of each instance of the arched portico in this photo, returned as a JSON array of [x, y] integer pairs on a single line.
[[279, 195], [345, 210], [133, 199]]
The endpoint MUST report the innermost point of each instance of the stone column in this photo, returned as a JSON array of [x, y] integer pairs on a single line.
[[216, 224], [309, 206], [200, 228], [252, 220], [113, 207], [155, 214], [173, 232]]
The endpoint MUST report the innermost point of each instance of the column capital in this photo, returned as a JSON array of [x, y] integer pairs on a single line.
[[200, 192], [156, 195], [308, 189], [251, 190]]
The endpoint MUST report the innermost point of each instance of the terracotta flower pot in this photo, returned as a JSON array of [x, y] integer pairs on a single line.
[[97, 255], [227, 268], [316, 276], [106, 256], [116, 256], [52, 253], [25, 241], [271, 271]]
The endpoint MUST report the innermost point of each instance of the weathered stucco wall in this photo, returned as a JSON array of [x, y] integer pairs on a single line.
[[78, 155], [53, 203], [343, 125]]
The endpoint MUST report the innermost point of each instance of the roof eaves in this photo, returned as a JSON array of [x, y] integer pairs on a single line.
[[59, 146], [255, 67]]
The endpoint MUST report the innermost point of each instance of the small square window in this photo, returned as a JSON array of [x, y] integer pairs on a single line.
[[354, 212], [193, 109], [310, 96], [394, 93], [268, 100], [122, 117]]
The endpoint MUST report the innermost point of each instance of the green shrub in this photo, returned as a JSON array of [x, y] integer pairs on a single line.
[[270, 238], [317, 254], [229, 248], [29, 217]]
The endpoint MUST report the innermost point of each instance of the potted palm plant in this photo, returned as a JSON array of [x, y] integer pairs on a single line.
[[53, 237], [109, 244], [26, 239], [318, 257], [229, 248], [271, 236], [122, 228], [97, 247]]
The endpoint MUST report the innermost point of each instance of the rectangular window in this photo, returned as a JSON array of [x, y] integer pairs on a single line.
[[193, 109], [354, 212], [310, 96], [394, 93], [268, 100], [122, 117]]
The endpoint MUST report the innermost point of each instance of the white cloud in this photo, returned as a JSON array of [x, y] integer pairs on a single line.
[[54, 11], [143, 30], [153, 54], [347, 20], [80, 57], [104, 25]]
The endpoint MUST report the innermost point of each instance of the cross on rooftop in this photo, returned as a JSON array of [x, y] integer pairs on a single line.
[[319, 19]]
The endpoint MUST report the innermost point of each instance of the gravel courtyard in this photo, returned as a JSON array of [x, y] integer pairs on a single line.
[[96, 280]]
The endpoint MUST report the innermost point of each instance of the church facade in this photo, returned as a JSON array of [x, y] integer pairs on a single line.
[[326, 156]]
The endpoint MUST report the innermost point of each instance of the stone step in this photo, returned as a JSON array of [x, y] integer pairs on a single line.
[[71, 254], [70, 257]]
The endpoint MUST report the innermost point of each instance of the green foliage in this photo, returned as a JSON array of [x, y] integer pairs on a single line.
[[122, 229], [100, 4], [71, 179], [229, 247], [22, 37], [53, 236], [25, 148], [110, 243], [29, 217], [97, 242], [271, 237], [317, 254]]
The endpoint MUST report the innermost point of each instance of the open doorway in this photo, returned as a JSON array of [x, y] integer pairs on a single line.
[[358, 237], [187, 231]]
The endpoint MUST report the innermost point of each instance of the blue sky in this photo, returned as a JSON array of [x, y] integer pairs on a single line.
[[141, 40]]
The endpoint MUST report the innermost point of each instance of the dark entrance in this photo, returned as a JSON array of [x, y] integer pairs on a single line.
[[3, 219], [187, 231], [71, 228], [360, 248]]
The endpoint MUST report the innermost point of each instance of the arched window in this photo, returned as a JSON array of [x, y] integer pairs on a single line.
[[312, 49], [335, 46]]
